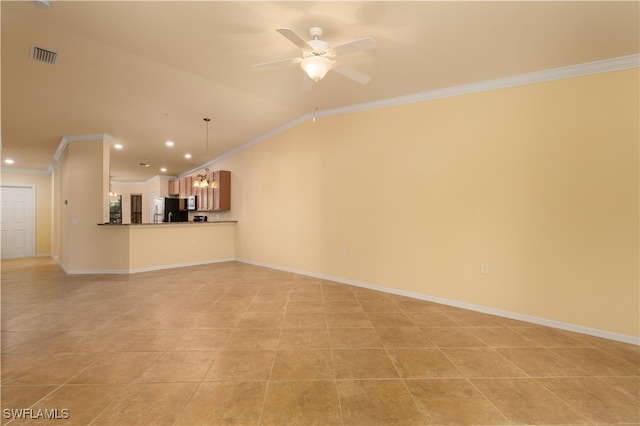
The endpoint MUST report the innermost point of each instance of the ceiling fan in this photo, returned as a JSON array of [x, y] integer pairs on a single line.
[[317, 56]]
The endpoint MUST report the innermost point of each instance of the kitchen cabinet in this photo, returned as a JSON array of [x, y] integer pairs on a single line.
[[174, 187], [203, 198], [186, 187], [209, 199], [222, 194], [216, 199], [182, 187]]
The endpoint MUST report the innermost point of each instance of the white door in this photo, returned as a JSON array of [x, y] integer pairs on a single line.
[[17, 221]]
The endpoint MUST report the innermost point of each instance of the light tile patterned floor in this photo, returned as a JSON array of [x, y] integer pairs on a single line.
[[233, 343]]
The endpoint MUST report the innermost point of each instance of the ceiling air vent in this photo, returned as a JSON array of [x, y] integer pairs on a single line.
[[43, 55]]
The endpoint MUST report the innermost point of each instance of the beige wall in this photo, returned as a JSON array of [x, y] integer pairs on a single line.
[[84, 173], [540, 182], [44, 205], [56, 218], [154, 246]]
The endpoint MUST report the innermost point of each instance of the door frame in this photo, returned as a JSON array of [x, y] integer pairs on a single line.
[[151, 196], [135, 194], [31, 213]]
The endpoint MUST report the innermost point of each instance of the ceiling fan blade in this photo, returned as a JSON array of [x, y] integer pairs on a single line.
[[277, 63], [351, 73], [294, 38], [366, 43]]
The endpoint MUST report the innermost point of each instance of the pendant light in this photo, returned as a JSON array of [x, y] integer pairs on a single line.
[[202, 179]]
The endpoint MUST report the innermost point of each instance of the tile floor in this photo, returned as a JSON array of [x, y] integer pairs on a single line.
[[234, 343]]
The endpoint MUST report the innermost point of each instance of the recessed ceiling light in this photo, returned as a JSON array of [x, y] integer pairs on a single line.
[[164, 169], [9, 161], [169, 143], [118, 146], [187, 156]]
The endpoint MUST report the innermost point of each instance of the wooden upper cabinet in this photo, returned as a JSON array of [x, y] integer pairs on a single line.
[[182, 187], [203, 198], [174, 187], [186, 186], [209, 199], [222, 194]]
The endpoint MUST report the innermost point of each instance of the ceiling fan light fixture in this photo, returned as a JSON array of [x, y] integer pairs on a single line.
[[316, 67]]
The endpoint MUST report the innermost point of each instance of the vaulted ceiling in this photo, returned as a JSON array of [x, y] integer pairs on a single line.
[[147, 72]]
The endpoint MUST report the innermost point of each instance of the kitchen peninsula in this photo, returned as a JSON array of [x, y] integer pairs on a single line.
[[154, 246]]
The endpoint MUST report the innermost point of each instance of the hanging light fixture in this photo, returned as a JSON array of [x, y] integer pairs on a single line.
[[111, 192], [202, 179], [316, 67], [315, 62]]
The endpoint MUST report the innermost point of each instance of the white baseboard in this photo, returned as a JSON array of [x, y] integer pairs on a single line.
[[483, 309], [138, 270], [179, 265], [95, 271]]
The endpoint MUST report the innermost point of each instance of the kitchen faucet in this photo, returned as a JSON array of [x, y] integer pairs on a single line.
[[170, 213]]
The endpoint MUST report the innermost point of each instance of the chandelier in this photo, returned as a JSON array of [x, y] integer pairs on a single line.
[[202, 179], [112, 193]]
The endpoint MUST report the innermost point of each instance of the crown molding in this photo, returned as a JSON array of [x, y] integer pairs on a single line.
[[47, 171], [571, 71], [249, 144], [73, 138], [123, 183], [159, 178]]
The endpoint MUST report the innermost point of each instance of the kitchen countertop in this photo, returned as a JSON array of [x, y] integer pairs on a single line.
[[210, 222]]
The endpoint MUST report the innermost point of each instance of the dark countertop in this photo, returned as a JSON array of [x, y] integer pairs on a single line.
[[210, 222]]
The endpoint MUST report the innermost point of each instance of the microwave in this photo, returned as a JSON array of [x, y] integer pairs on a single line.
[[191, 202]]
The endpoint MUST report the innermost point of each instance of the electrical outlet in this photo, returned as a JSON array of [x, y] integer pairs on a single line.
[[484, 268], [344, 252]]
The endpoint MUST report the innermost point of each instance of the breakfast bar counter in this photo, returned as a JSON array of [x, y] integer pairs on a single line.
[[192, 222], [153, 246]]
